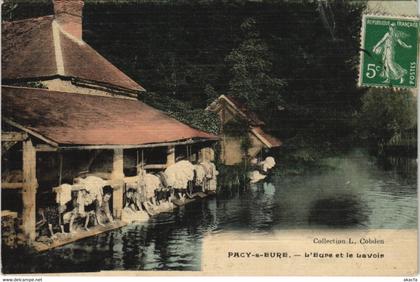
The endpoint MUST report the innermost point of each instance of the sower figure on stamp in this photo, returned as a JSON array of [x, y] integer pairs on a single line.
[[391, 69]]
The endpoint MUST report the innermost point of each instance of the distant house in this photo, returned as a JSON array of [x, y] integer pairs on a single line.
[[66, 110], [233, 112]]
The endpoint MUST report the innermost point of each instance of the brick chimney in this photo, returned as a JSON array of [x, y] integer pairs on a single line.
[[68, 14]]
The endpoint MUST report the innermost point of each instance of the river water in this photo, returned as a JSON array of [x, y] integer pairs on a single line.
[[354, 192]]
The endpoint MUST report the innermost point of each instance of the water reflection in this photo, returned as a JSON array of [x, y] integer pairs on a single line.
[[354, 193], [402, 168], [342, 211]]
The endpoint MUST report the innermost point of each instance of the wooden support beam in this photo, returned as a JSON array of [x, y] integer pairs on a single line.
[[222, 131], [11, 185], [6, 145], [170, 156], [30, 185], [118, 164], [45, 148], [33, 133], [60, 168], [155, 145], [7, 213], [103, 175], [155, 166], [117, 177], [13, 136], [202, 155]]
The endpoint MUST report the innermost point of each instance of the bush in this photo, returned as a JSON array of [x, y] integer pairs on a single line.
[[386, 113]]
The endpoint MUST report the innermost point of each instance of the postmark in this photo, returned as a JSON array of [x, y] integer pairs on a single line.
[[389, 51]]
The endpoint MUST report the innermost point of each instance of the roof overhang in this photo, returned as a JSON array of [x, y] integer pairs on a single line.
[[216, 105], [140, 146], [67, 121], [62, 147], [262, 136]]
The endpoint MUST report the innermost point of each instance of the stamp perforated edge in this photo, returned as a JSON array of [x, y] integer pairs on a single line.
[[362, 53]]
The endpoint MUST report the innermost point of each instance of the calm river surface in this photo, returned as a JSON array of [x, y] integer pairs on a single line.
[[356, 193]]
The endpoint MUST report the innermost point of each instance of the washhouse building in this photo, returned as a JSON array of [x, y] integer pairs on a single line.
[[68, 112], [241, 133]]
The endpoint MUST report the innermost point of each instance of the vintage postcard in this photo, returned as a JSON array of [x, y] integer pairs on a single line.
[[212, 138]]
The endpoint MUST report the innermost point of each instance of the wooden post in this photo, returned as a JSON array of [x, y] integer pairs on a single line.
[[223, 136], [30, 185], [117, 177], [202, 155], [210, 154], [60, 169], [170, 156]]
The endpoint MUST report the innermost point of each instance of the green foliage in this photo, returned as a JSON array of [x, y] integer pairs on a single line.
[[319, 62], [303, 150], [210, 93], [386, 113], [250, 65], [182, 111]]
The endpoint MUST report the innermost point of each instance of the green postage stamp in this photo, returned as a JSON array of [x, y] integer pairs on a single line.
[[389, 52]]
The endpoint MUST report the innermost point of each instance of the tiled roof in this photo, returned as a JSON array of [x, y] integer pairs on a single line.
[[270, 140], [39, 48], [250, 115], [77, 119]]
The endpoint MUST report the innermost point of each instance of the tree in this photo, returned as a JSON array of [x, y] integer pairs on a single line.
[[8, 9], [250, 67], [386, 113]]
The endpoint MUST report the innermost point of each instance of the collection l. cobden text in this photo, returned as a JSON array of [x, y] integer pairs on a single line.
[[352, 241]]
